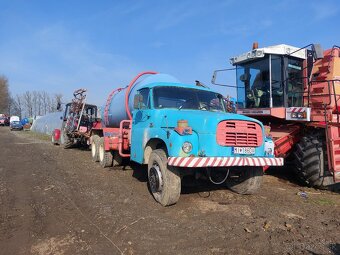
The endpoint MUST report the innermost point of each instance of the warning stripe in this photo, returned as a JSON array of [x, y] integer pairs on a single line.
[[223, 161]]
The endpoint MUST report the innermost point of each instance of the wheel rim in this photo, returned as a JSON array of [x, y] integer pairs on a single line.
[[155, 178], [93, 149], [101, 152]]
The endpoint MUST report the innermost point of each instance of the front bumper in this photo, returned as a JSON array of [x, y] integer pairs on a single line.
[[223, 161]]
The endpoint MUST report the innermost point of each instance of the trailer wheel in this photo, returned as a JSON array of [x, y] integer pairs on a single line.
[[94, 148], [245, 181], [164, 181], [105, 157], [311, 161]]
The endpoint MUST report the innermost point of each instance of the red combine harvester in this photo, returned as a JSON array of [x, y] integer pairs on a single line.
[[295, 92]]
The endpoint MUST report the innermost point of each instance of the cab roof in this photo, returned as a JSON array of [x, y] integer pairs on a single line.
[[280, 49]]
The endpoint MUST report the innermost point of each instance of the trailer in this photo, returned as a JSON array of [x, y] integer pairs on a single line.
[[179, 129], [295, 91]]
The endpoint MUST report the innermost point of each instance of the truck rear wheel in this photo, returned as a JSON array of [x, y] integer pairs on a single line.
[[310, 159], [105, 157], [94, 148], [244, 180], [117, 160], [164, 181]]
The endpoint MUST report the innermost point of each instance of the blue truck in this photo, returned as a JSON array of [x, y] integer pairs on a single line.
[[179, 129]]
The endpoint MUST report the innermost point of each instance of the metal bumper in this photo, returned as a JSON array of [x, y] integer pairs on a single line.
[[223, 161]]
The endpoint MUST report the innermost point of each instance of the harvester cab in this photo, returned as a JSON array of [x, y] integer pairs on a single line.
[[295, 92]]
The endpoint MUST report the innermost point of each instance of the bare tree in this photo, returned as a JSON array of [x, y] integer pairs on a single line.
[[17, 106], [4, 95], [28, 102]]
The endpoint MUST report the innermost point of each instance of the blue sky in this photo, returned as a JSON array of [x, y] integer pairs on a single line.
[[59, 46]]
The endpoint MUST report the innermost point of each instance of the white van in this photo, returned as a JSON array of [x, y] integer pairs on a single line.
[[14, 118]]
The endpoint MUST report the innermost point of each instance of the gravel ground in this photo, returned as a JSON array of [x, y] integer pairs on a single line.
[[56, 201]]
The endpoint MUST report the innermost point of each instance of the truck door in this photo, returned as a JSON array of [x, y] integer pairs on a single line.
[[142, 121]]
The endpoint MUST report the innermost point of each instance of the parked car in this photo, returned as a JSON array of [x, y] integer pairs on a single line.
[[4, 121], [16, 125]]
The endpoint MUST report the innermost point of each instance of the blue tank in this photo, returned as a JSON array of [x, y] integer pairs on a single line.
[[117, 111]]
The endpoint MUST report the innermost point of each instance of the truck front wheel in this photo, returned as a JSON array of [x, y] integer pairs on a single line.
[[164, 181], [244, 180], [105, 157]]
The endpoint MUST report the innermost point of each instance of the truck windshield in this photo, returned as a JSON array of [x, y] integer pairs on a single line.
[[186, 98]]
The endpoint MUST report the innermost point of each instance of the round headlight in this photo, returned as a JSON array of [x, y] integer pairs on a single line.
[[187, 147]]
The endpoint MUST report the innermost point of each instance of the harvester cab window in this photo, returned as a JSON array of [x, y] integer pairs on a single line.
[[277, 84], [295, 82], [253, 84]]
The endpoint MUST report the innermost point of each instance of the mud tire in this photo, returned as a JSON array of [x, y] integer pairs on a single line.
[[245, 181], [94, 148], [310, 159], [105, 157], [170, 189]]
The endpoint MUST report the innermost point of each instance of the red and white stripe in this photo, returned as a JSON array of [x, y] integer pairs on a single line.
[[297, 109], [223, 161]]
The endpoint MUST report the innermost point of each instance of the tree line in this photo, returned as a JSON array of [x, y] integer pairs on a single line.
[[27, 104]]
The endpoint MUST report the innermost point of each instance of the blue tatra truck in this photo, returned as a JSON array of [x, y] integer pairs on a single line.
[[179, 129]]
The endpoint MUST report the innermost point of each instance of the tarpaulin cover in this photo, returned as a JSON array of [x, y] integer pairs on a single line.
[[47, 123]]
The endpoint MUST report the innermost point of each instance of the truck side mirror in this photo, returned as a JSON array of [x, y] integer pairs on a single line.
[[137, 100], [214, 77], [317, 51]]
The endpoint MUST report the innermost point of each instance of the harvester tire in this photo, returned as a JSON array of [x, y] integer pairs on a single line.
[[94, 148], [164, 181], [105, 157], [311, 161], [245, 181]]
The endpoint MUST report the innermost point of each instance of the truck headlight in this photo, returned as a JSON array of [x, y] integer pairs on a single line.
[[187, 147]]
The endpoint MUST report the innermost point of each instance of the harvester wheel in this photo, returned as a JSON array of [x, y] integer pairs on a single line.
[[164, 181], [105, 157], [245, 181], [311, 161], [94, 148]]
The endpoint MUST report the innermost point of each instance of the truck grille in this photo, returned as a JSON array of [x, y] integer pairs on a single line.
[[239, 133]]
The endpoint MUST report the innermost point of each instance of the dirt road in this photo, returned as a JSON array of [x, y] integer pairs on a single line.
[[56, 201]]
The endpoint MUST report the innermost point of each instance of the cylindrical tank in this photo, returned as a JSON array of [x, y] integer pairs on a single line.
[[117, 112]]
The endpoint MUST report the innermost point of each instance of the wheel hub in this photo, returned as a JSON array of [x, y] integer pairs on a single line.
[[155, 179]]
